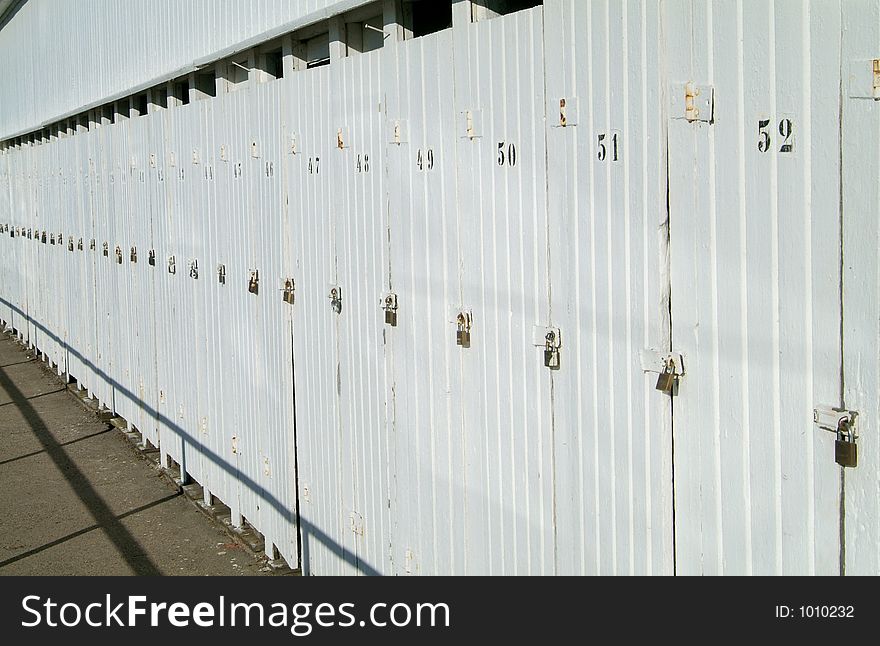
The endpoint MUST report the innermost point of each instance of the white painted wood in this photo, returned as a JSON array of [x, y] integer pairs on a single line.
[[860, 133], [754, 242], [613, 495]]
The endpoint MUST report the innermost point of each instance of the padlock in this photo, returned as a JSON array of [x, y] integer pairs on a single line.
[[151, 257], [221, 274], [134, 254], [118, 255], [336, 299], [288, 293], [846, 452], [79, 244], [463, 334], [390, 307], [254, 282], [551, 351], [666, 381]]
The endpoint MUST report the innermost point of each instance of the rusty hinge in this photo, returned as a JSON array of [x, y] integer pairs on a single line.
[[693, 103]]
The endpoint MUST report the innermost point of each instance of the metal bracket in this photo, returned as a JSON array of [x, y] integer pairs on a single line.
[[563, 113], [221, 274], [654, 361], [694, 103], [470, 124], [398, 131], [194, 269], [172, 265], [254, 281]]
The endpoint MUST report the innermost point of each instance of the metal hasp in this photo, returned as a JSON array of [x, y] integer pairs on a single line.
[[335, 297], [70, 244], [389, 305], [288, 291], [843, 423], [133, 256], [464, 323], [172, 265], [118, 255], [254, 281], [79, 244], [694, 103], [221, 274], [106, 250], [151, 257], [194, 269]]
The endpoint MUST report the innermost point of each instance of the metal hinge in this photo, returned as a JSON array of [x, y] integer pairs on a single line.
[[694, 103]]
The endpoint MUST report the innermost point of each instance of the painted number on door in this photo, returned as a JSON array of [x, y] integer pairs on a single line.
[[425, 159], [785, 129], [506, 154], [608, 146], [314, 165], [363, 164]]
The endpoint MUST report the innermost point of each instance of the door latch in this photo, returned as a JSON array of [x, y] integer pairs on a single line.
[[254, 281]]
